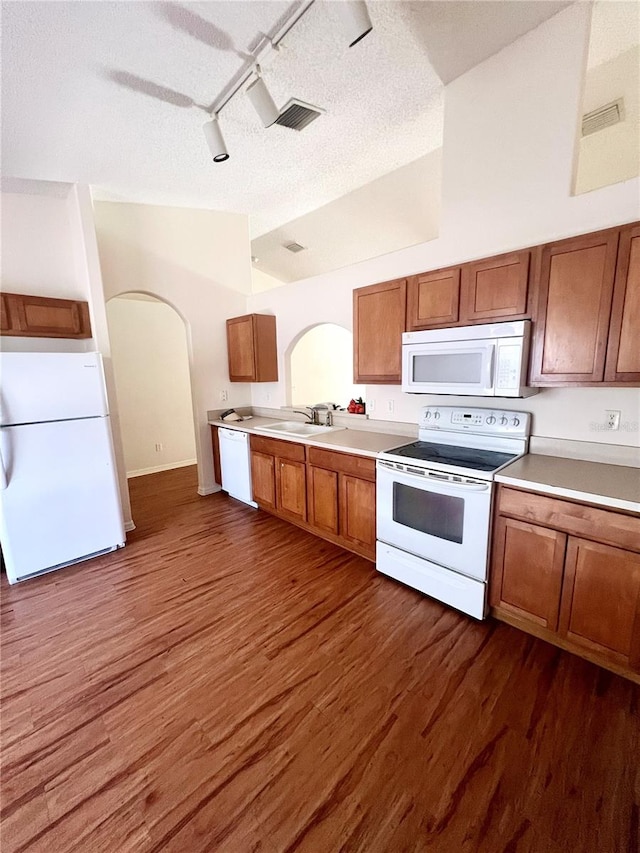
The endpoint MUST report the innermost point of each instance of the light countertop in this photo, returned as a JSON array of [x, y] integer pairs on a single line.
[[613, 486], [362, 442]]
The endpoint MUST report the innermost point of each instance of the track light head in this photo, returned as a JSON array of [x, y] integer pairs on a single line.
[[262, 101], [215, 140], [355, 18]]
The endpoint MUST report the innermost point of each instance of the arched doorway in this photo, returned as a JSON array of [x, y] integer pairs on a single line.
[[320, 367], [150, 357]]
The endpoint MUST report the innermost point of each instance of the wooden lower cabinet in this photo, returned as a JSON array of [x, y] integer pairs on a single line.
[[357, 510], [329, 493], [556, 573], [529, 564], [601, 601], [291, 489]]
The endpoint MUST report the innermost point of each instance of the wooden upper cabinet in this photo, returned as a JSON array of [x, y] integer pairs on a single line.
[[601, 601], [251, 346], [574, 307], [495, 288], [44, 317], [378, 323], [433, 299], [623, 353]]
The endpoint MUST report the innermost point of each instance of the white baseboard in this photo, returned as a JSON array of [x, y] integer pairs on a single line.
[[209, 490], [141, 472]]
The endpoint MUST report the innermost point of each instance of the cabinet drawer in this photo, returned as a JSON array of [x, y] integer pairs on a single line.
[[601, 525], [346, 463], [277, 447]]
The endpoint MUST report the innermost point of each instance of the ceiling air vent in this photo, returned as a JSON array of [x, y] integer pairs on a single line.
[[295, 248], [297, 115], [603, 117]]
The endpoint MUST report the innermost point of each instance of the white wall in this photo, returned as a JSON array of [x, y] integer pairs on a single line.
[[198, 262], [151, 366], [508, 157]]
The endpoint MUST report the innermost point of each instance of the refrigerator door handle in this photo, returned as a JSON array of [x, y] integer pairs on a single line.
[[4, 480]]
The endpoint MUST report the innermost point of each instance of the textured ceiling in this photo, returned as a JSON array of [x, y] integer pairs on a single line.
[[114, 94]]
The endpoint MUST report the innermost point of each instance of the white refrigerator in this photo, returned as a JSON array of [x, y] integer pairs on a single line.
[[59, 498]]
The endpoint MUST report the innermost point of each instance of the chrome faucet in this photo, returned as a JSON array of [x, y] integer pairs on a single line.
[[313, 417]]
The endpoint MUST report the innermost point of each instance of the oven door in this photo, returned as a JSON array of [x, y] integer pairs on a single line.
[[460, 367], [444, 522]]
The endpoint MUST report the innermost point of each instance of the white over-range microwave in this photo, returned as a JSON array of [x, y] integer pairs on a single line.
[[488, 360]]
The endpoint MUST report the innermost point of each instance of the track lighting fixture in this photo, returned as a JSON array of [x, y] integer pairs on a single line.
[[262, 101], [215, 140], [355, 18]]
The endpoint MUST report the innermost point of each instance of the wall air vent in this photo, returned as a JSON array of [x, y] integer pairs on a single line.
[[603, 117], [297, 115], [295, 248]]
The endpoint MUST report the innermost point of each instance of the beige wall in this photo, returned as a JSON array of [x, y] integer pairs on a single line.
[[151, 366], [198, 262], [321, 364]]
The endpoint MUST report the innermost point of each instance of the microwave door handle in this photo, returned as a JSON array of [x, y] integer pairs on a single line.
[[488, 377]]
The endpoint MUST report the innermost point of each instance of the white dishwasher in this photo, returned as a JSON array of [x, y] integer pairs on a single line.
[[235, 462]]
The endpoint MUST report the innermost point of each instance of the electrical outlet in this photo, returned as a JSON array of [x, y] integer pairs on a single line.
[[612, 419], [267, 397], [371, 406], [224, 396], [389, 407], [158, 447]]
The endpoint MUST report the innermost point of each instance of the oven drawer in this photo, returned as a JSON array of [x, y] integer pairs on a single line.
[[463, 593]]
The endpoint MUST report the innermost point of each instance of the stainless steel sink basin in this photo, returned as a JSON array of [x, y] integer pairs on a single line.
[[296, 428]]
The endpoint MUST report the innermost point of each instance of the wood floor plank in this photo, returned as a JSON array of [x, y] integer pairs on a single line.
[[228, 682]]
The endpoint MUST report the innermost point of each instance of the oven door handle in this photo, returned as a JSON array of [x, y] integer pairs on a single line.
[[442, 483]]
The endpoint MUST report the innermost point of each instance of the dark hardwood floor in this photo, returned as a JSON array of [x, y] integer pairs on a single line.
[[228, 682]]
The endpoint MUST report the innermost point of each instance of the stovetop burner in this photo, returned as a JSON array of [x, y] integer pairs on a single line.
[[458, 457]]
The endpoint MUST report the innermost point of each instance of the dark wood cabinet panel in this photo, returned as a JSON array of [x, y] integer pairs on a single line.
[[322, 499], [215, 446], [252, 349], [601, 602], [527, 569], [433, 299], [574, 308], [358, 512], [43, 317], [347, 463], [571, 577], [623, 352], [496, 288], [378, 323], [291, 489], [263, 479]]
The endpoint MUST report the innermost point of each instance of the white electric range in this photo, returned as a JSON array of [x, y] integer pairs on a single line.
[[434, 501]]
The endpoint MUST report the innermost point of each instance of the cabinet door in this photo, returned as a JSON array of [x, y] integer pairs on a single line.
[[43, 317], [574, 307], [263, 479], [623, 354], [601, 601], [5, 316], [527, 568], [215, 446], [241, 351], [291, 489], [495, 288], [433, 299], [378, 323], [358, 512], [322, 498]]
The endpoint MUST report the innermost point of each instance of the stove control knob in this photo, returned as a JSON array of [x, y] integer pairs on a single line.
[[503, 420], [436, 416], [491, 419], [515, 422], [427, 414]]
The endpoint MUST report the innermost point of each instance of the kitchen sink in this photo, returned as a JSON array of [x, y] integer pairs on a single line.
[[296, 428]]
